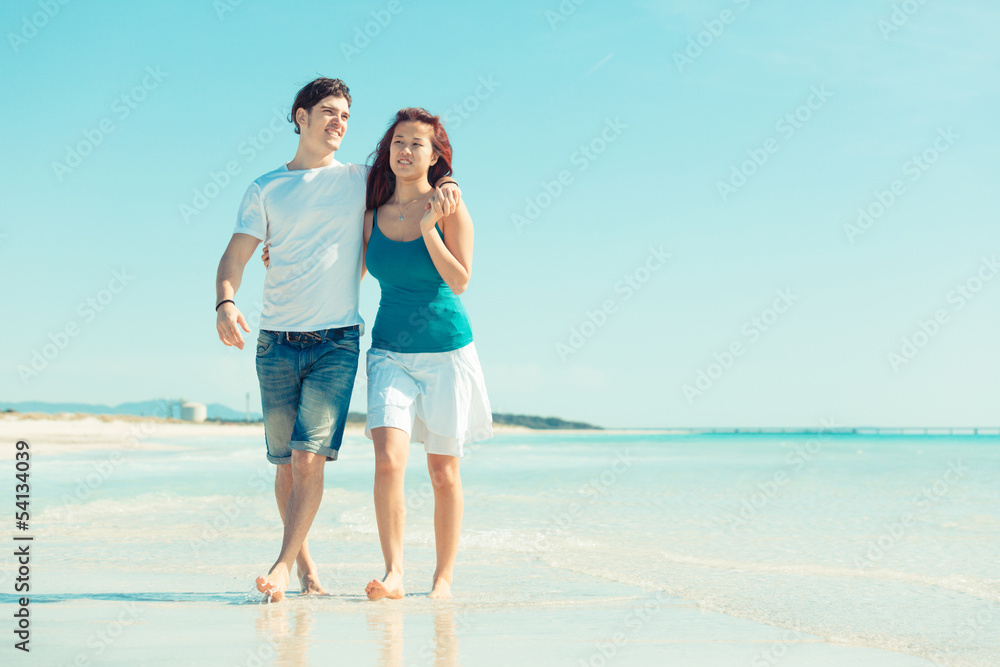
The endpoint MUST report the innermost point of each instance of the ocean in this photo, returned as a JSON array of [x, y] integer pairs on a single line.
[[586, 548]]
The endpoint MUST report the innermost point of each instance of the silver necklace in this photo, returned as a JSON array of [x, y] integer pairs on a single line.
[[398, 208]]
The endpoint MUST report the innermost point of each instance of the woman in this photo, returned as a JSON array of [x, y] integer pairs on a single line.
[[424, 379]]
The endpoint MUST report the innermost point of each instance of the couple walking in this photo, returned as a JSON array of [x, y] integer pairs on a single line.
[[323, 225]]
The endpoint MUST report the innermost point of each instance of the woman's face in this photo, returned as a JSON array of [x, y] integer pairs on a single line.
[[410, 152]]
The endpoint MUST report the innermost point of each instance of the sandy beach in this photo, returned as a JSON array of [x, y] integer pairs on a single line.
[[120, 432], [167, 540]]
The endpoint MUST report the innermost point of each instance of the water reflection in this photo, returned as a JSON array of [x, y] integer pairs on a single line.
[[387, 627], [439, 650], [445, 639], [285, 630], [285, 636]]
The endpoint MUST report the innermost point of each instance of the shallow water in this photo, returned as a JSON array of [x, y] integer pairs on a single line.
[[885, 542]]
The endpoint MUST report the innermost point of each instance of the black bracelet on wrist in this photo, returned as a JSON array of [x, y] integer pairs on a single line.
[[447, 182], [222, 302]]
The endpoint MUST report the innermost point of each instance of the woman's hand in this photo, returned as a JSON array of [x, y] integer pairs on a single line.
[[434, 212], [265, 257]]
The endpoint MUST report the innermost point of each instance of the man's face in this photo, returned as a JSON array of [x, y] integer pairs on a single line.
[[324, 126]]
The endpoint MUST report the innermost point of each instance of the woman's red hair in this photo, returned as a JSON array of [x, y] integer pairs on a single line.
[[381, 180]]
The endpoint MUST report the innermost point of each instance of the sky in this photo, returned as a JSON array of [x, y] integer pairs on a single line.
[[728, 213]]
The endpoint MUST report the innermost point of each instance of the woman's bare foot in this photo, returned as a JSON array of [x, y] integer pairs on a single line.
[[310, 584], [390, 587], [441, 589], [275, 583]]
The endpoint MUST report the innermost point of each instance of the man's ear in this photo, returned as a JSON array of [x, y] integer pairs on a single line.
[[301, 117]]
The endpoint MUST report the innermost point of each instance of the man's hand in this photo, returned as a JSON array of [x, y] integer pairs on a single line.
[[228, 324], [434, 212], [229, 319], [450, 195], [265, 256]]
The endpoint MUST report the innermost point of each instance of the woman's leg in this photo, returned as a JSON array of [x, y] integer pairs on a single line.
[[392, 448], [448, 505]]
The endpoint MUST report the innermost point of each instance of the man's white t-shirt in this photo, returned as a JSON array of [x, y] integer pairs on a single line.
[[313, 221]]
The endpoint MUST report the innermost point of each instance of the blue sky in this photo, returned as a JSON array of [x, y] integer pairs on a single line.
[[666, 197]]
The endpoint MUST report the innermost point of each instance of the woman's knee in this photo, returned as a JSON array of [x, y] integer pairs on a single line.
[[444, 476], [388, 465]]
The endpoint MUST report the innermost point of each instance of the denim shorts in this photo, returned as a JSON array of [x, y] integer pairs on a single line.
[[306, 382]]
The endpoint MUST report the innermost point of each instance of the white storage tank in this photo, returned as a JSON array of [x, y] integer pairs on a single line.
[[193, 412]]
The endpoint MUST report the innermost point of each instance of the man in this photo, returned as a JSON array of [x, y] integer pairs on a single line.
[[309, 212]]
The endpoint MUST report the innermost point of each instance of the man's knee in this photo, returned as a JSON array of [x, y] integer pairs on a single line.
[[306, 466]]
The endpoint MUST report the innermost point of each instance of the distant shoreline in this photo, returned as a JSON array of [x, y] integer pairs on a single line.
[[356, 421], [220, 414]]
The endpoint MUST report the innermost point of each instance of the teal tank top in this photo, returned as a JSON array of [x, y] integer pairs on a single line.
[[418, 312]]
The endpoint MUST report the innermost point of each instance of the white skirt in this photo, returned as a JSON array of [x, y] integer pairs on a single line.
[[438, 398]]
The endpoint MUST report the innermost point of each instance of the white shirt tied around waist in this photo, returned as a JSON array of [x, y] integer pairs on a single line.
[[313, 221]]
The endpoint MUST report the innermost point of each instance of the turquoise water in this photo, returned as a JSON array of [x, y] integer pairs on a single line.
[[874, 541]]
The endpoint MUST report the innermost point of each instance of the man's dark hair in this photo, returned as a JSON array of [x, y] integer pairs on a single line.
[[316, 91]]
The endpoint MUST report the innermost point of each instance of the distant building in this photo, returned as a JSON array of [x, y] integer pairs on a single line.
[[193, 412]]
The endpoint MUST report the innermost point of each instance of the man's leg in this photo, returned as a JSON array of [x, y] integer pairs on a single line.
[[325, 395], [306, 567], [280, 392], [303, 502], [392, 448], [448, 506]]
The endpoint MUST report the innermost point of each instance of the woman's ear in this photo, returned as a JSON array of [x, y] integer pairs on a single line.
[[434, 159]]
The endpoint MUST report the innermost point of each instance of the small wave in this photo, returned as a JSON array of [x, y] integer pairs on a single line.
[[987, 589]]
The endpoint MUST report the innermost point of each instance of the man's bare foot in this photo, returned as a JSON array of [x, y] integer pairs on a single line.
[[390, 587], [441, 590], [310, 584], [275, 583]]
